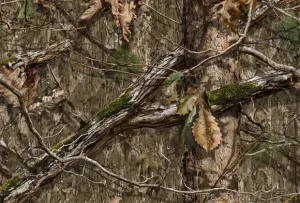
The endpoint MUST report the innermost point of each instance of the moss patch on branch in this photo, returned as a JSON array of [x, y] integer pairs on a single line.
[[10, 183], [293, 199], [231, 94], [114, 107], [6, 60], [63, 142]]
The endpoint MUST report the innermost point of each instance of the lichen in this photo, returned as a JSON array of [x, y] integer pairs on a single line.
[[115, 106], [232, 93], [10, 183]]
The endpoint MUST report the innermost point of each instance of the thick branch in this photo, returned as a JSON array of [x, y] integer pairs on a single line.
[[129, 110], [100, 127], [230, 95], [149, 116], [156, 116], [38, 57]]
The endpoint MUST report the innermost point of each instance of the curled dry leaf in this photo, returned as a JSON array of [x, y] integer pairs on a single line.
[[206, 130], [126, 17], [25, 80], [116, 8], [124, 14], [232, 11], [93, 7]]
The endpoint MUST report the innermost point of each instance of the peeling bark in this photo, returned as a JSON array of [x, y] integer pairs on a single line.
[[39, 57]]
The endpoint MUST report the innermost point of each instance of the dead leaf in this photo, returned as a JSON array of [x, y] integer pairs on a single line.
[[297, 85], [230, 13], [116, 199], [206, 130], [93, 7], [116, 6], [124, 14], [226, 44], [126, 17], [234, 10], [25, 81], [192, 90]]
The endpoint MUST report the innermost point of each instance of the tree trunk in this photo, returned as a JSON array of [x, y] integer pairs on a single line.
[[112, 136]]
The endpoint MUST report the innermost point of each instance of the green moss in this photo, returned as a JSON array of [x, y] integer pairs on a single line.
[[293, 199], [6, 61], [232, 93], [65, 141], [10, 183], [126, 64], [115, 106]]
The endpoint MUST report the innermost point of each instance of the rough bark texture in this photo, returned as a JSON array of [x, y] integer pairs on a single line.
[[138, 154], [77, 81]]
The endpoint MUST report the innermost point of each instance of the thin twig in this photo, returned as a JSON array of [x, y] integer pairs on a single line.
[[25, 113], [81, 31], [158, 186], [10, 2], [270, 62], [283, 12], [231, 47], [159, 13]]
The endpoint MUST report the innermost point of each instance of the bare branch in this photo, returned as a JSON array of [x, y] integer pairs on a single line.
[[159, 13], [39, 57], [283, 12], [81, 31], [26, 115], [231, 47], [270, 62]]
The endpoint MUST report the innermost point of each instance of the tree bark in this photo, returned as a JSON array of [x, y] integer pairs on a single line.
[[132, 110]]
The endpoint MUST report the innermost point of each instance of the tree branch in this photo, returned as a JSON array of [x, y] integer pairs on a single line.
[[39, 57], [130, 110], [150, 116], [80, 30], [270, 62]]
